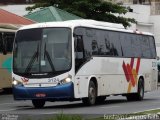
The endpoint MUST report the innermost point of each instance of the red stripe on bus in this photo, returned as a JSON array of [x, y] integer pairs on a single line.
[[132, 62], [125, 71], [138, 65], [131, 75]]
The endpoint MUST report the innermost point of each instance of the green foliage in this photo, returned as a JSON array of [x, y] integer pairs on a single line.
[[89, 9]]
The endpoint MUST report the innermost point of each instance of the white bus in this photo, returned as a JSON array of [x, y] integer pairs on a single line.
[[7, 34], [82, 60]]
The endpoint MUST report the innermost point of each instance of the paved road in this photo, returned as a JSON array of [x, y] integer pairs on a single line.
[[113, 105]]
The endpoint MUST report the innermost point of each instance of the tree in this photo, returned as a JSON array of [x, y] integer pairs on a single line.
[[89, 9]]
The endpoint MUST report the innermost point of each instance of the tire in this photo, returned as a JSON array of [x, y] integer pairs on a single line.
[[92, 93], [38, 103], [100, 99], [140, 92], [130, 97]]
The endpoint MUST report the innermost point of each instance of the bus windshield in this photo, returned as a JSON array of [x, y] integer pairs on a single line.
[[42, 51]]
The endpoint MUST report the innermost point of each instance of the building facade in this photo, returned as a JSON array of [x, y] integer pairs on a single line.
[[147, 15], [17, 1]]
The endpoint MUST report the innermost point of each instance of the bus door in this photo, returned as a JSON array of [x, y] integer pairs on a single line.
[[79, 51]]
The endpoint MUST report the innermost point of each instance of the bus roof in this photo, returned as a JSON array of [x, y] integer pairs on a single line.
[[85, 23]]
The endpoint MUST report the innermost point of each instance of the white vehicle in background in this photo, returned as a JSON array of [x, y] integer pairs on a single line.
[[82, 60], [7, 34], [158, 61]]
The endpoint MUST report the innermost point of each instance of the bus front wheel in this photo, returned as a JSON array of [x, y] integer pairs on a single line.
[[38, 103], [92, 93]]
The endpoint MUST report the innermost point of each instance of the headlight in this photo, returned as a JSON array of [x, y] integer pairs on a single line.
[[66, 80], [16, 82]]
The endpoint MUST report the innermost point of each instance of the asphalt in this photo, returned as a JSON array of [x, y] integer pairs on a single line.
[[112, 105]]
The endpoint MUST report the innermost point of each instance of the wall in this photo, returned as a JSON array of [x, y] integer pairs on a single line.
[[16, 9]]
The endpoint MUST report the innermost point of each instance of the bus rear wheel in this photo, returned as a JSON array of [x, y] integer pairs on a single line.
[[140, 92], [92, 93], [38, 103], [100, 99]]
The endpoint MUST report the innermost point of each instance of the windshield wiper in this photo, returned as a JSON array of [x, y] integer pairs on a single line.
[[35, 55], [49, 58]]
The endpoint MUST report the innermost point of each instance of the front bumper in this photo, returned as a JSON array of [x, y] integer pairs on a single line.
[[59, 92]]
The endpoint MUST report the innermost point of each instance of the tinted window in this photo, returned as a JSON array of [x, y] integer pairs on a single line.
[[6, 42], [100, 42], [90, 43], [112, 43], [10, 39], [1, 43], [126, 44], [152, 47], [135, 45], [145, 45], [115, 46], [42, 50], [102, 50]]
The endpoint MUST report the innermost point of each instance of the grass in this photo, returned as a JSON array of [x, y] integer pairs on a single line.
[[115, 117], [149, 112], [66, 117], [63, 116]]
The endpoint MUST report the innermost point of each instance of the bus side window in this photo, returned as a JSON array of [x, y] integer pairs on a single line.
[[9, 42], [79, 47], [1, 43], [146, 51], [152, 47], [6, 43], [79, 52]]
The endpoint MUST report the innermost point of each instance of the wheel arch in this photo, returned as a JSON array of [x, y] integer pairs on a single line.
[[94, 79], [141, 78]]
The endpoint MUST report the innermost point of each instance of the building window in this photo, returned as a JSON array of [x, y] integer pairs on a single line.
[[143, 2]]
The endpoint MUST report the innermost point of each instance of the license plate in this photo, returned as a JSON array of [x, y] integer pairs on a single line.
[[40, 95]]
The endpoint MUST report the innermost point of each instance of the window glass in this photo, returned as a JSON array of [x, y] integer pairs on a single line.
[[79, 31], [112, 43], [79, 47], [79, 44], [126, 44], [100, 42], [115, 46], [145, 45], [90, 44], [136, 46], [57, 48], [102, 48], [152, 47], [1, 43], [6, 42], [9, 38], [42, 50]]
